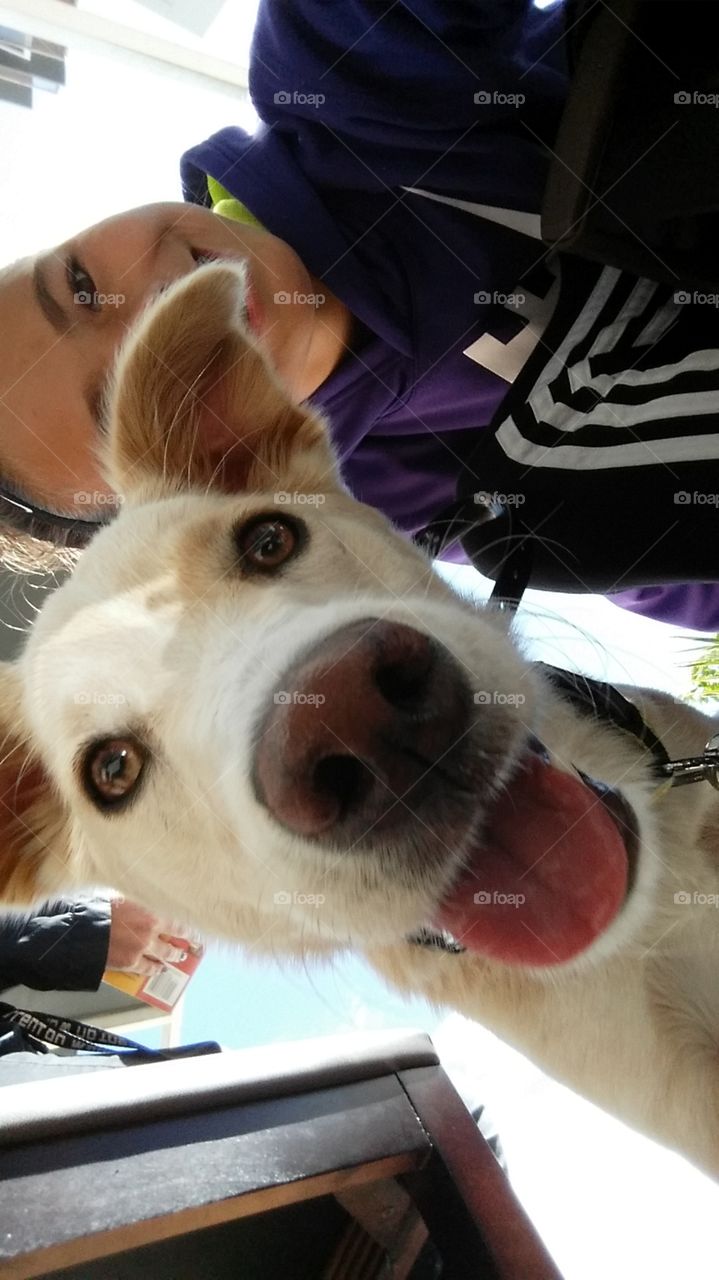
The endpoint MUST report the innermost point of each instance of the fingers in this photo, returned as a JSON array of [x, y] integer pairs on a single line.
[[152, 961], [138, 937], [167, 952], [145, 966]]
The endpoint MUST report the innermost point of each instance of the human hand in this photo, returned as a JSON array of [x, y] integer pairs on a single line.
[[139, 941]]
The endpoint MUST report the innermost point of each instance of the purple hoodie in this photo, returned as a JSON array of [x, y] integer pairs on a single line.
[[359, 100]]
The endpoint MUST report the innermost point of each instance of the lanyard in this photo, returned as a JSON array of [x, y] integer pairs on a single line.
[[46, 1029]]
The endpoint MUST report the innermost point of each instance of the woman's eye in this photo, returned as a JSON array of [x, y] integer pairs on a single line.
[[112, 769], [265, 544], [81, 285]]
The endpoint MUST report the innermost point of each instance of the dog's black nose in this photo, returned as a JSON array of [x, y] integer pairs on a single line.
[[357, 736]]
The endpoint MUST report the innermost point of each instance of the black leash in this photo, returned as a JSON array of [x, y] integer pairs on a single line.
[[459, 521]]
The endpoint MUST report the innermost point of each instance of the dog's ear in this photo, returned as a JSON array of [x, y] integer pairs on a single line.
[[34, 826], [195, 402]]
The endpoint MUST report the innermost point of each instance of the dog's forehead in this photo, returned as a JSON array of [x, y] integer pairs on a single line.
[[113, 616], [181, 548], [97, 664], [157, 565], [136, 549], [155, 600], [139, 558]]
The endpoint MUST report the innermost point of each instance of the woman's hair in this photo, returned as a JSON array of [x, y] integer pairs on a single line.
[[33, 540], [23, 553]]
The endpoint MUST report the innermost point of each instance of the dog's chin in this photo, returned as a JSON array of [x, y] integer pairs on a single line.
[[548, 870]]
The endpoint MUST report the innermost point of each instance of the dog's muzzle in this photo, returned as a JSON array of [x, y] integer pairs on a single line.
[[366, 737]]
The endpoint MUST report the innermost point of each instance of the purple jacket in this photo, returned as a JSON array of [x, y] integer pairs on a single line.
[[357, 101]]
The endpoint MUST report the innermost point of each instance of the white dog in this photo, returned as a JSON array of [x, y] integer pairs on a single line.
[[255, 706]]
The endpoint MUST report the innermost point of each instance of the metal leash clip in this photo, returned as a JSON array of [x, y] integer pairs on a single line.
[[703, 768]]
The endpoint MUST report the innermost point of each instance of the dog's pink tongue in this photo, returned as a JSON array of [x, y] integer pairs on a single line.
[[549, 878]]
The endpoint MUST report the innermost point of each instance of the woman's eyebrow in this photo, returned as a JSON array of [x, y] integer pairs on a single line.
[[50, 308]]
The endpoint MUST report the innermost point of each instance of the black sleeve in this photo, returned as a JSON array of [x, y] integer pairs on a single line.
[[62, 946]]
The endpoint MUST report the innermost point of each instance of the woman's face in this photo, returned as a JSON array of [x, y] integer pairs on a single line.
[[64, 313]]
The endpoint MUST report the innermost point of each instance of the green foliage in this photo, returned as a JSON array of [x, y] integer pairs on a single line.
[[705, 674]]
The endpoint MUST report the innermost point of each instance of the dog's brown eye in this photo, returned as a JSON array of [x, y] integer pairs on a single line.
[[265, 544], [113, 769]]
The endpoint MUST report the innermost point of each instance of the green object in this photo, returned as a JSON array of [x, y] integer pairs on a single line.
[[226, 205], [705, 674]]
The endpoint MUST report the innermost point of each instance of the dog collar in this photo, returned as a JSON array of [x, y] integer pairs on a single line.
[[606, 703]]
